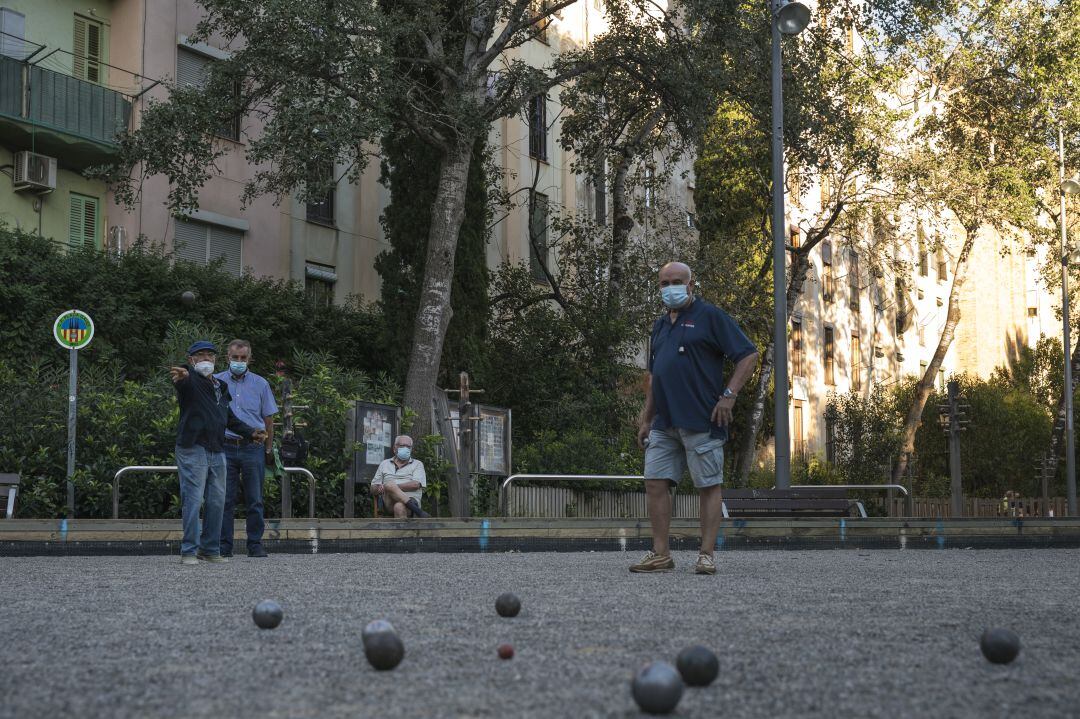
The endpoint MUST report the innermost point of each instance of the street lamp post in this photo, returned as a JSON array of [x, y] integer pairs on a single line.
[[1068, 187], [788, 18]]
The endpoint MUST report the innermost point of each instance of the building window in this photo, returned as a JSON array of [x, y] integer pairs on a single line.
[[319, 281], [84, 220], [537, 8], [941, 380], [796, 348], [830, 357], [538, 127], [201, 243], [856, 363], [86, 49], [648, 187], [13, 26], [827, 287], [538, 235], [924, 252], [321, 210], [192, 70], [902, 308], [600, 197], [798, 430], [942, 264], [853, 281], [826, 189], [1033, 311], [830, 436], [796, 238]]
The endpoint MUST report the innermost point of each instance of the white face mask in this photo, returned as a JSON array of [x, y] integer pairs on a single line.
[[205, 368]]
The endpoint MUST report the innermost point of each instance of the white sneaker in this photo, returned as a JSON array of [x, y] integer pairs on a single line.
[[188, 559], [705, 564]]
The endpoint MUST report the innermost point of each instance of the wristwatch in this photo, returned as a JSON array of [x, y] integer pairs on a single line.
[[728, 394]]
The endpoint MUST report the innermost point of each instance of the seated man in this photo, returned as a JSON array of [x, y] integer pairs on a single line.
[[399, 481]]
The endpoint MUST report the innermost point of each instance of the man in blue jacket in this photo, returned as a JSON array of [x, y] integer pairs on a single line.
[[200, 456], [688, 407]]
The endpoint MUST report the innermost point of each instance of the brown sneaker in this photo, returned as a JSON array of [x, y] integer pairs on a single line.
[[653, 562], [704, 564]]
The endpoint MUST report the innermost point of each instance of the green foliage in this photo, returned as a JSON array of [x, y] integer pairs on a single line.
[[136, 297], [1008, 432], [867, 434]]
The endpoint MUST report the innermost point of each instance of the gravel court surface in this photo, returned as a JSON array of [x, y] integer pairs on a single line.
[[882, 633]]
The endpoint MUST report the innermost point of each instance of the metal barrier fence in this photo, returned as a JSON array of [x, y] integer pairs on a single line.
[[286, 489], [552, 500]]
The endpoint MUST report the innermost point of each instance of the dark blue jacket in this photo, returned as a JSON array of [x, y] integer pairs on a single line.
[[205, 413]]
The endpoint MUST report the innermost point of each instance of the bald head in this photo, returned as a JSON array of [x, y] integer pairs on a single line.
[[675, 273]]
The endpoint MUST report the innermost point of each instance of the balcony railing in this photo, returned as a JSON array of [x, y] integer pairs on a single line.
[[61, 102]]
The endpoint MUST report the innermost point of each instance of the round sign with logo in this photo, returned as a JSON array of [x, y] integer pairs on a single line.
[[73, 329]]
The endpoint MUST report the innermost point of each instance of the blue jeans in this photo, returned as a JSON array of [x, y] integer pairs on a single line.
[[202, 476], [246, 464]]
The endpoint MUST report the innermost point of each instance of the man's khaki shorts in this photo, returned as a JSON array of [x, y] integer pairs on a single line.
[[671, 451]]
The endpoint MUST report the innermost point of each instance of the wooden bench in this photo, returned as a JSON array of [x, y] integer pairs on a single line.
[[9, 485], [793, 502]]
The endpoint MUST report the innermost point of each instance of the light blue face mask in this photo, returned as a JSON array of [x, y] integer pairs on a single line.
[[674, 296], [238, 367], [404, 453]]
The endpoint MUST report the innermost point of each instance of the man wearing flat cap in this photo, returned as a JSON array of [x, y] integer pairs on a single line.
[[200, 452]]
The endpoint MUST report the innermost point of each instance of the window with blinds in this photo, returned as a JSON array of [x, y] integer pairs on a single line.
[[830, 356], [538, 127], [538, 236], [86, 49], [84, 219], [201, 243], [193, 70]]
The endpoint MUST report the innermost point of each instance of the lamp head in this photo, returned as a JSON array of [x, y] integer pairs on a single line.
[[1071, 186], [791, 16]]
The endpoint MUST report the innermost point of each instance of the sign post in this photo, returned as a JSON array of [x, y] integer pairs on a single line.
[[73, 331]]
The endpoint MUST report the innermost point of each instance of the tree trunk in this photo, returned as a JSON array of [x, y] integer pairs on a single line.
[[926, 383], [799, 267], [433, 315]]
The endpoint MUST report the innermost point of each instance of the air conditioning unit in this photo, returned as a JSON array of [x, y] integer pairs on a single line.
[[34, 173]]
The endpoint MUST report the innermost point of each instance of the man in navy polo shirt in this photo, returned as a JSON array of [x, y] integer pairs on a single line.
[[253, 403], [688, 408]]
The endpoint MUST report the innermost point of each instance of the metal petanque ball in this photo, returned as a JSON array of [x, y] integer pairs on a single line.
[[508, 605], [267, 614], [382, 646], [999, 645], [697, 665], [187, 297], [657, 688]]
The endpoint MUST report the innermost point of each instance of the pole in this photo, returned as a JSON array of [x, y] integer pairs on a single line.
[[779, 228], [955, 486], [73, 382], [1070, 440]]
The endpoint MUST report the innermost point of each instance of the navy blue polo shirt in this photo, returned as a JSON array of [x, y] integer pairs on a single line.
[[686, 359]]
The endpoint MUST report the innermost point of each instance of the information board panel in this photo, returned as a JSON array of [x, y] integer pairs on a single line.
[[493, 433]]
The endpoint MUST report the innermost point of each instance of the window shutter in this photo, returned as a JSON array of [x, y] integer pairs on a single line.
[[83, 221], [79, 48], [189, 241], [75, 222], [226, 243], [87, 50], [190, 68]]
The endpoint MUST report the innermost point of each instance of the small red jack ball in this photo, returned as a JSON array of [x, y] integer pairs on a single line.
[[506, 651]]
